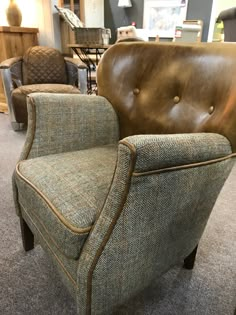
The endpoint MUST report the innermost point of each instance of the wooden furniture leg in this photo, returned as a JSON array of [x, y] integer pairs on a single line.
[[27, 236], [190, 259]]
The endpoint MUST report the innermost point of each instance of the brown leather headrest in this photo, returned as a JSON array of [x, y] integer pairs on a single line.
[[159, 88], [43, 65]]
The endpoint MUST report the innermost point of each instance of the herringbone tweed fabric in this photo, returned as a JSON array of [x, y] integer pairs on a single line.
[[153, 220], [43, 65], [20, 94], [76, 183], [67, 267], [68, 123], [30, 284], [155, 211], [185, 149]]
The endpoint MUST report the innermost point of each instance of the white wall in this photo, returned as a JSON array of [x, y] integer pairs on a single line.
[[43, 15], [48, 24], [221, 5], [94, 13], [29, 12]]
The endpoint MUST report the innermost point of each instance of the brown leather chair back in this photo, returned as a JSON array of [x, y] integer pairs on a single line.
[[165, 88], [43, 65]]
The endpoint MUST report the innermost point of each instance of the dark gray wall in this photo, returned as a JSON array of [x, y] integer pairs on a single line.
[[200, 10], [116, 17]]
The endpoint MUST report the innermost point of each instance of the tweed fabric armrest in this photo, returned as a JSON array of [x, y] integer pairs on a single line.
[[155, 153], [141, 231], [65, 122]]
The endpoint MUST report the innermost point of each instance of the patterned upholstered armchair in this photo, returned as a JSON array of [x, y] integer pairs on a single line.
[[118, 188], [41, 69]]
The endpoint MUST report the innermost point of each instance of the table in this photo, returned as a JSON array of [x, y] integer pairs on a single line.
[[85, 53]]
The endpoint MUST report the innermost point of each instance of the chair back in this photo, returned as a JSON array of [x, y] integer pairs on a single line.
[[167, 88], [229, 20], [43, 65]]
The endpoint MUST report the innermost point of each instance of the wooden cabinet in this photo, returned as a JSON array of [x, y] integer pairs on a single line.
[[14, 42]]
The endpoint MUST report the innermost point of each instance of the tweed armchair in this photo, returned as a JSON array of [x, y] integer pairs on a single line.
[[41, 69], [117, 188]]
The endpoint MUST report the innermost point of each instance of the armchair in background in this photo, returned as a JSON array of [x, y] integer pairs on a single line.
[[41, 69], [229, 20], [118, 188]]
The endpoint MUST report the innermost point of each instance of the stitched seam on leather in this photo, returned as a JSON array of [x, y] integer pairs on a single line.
[[52, 207], [185, 166], [57, 258], [110, 229]]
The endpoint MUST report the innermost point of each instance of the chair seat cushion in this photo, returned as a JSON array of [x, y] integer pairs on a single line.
[[69, 189], [19, 96]]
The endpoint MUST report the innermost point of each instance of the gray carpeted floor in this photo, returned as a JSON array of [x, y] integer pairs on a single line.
[[29, 285]]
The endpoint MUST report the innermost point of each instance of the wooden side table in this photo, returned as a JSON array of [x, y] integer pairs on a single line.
[[14, 42]]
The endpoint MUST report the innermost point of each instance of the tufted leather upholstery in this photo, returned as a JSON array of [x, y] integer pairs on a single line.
[[43, 65], [169, 89]]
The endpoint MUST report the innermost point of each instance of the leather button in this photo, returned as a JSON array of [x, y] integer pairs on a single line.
[[136, 91], [176, 99], [211, 109]]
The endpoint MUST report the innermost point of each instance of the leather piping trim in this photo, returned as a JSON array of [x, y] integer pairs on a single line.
[[31, 128], [46, 230], [57, 258], [52, 207], [116, 217], [185, 166], [111, 227]]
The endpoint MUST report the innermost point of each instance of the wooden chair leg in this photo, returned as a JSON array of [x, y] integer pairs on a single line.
[[27, 236], [190, 259]]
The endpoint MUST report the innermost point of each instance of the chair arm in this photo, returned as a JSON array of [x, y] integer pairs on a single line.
[[67, 122], [76, 62], [11, 73], [157, 153], [10, 62], [161, 196], [77, 73]]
